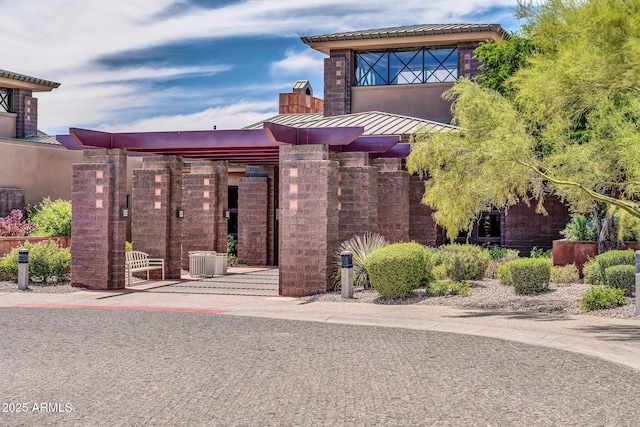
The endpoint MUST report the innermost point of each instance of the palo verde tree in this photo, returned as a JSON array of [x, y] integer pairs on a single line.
[[569, 125]]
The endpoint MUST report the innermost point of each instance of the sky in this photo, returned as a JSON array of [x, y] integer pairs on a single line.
[[161, 65]]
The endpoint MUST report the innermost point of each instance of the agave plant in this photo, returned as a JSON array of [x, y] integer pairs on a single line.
[[361, 247]]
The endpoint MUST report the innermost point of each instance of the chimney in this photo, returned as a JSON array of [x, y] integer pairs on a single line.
[[300, 100]]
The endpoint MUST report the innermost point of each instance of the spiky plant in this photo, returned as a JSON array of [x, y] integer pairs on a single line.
[[361, 247]]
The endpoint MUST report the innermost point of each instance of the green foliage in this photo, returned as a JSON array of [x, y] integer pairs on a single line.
[[396, 270], [530, 275], [599, 298], [611, 258], [459, 288], [541, 253], [565, 274], [621, 277], [439, 272], [360, 247], [438, 288], [498, 253], [499, 257], [232, 245], [465, 262], [504, 275], [128, 246], [232, 260], [580, 229], [51, 218], [48, 262], [591, 273]]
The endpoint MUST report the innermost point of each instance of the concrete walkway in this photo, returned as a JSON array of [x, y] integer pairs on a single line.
[[614, 340]]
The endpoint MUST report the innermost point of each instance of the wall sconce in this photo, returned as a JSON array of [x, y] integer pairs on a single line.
[[227, 214], [180, 213], [124, 212]]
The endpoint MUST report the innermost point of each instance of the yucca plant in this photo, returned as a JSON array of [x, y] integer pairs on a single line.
[[361, 247]]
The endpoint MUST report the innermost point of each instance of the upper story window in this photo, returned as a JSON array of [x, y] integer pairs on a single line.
[[5, 100], [406, 66]]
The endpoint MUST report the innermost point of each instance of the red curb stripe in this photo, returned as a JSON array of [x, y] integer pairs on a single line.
[[123, 307]]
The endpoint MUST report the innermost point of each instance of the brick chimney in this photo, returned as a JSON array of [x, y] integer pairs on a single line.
[[300, 100]]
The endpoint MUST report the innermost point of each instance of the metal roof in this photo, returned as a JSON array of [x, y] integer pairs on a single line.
[[28, 79], [43, 139], [407, 31], [375, 123]]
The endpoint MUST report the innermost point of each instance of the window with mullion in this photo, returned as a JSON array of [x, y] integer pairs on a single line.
[[5, 100]]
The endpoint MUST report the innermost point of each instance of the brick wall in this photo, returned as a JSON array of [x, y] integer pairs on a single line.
[[10, 199], [296, 102], [252, 220], [272, 223], [221, 169], [393, 200], [526, 229], [338, 79], [422, 226], [199, 199], [468, 65], [357, 195], [97, 242], [308, 220], [26, 108]]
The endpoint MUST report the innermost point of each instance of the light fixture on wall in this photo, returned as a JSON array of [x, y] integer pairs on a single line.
[[124, 212], [227, 214], [180, 213]]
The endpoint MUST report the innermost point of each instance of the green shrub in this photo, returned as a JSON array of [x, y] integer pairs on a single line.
[[494, 264], [439, 272], [232, 245], [439, 288], [622, 277], [48, 262], [611, 258], [465, 262], [128, 247], [580, 229], [232, 260], [51, 218], [504, 275], [396, 270], [360, 247], [530, 275], [601, 297], [591, 273], [437, 257], [460, 288], [498, 253], [565, 274], [541, 253]]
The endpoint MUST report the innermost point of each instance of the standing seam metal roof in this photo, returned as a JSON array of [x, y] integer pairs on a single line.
[[407, 31], [27, 79]]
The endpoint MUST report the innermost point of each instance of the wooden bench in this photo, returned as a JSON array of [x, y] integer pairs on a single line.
[[136, 261]]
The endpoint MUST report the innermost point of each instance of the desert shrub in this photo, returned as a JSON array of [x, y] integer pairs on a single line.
[[48, 262], [438, 288], [232, 245], [611, 258], [232, 260], [360, 247], [506, 256], [622, 277], [51, 218], [530, 275], [13, 226], [580, 229], [601, 297], [396, 270], [437, 257], [504, 275], [459, 288], [497, 253], [439, 272], [565, 274], [128, 246], [591, 273], [465, 262], [541, 253]]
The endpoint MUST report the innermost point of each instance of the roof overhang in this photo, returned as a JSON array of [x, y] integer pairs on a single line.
[[12, 80]]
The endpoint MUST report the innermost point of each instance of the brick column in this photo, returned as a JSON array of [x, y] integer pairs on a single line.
[[97, 242], [422, 227], [308, 219], [468, 65], [272, 205], [357, 195], [253, 194], [393, 200], [200, 203], [157, 195], [26, 108], [221, 169], [338, 79]]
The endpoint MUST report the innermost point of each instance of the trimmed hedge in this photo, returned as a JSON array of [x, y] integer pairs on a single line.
[[591, 273], [600, 297], [565, 274], [611, 258], [622, 277], [504, 274], [530, 275], [396, 270], [465, 262]]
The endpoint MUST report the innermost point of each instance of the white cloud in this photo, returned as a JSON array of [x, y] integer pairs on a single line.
[[297, 63]]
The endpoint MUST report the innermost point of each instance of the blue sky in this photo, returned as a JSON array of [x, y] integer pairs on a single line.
[[141, 65]]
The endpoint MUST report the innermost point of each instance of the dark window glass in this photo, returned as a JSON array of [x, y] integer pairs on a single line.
[[5, 100]]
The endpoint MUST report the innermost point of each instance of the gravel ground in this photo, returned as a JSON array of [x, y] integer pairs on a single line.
[[485, 294]]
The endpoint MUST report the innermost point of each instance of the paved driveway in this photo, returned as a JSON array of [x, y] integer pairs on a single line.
[[130, 368]]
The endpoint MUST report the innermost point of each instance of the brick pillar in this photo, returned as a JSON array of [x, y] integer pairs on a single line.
[[200, 203], [26, 108], [422, 227], [156, 197], [338, 79], [468, 65], [272, 205], [98, 191], [221, 169], [393, 200], [308, 219], [253, 194], [357, 195]]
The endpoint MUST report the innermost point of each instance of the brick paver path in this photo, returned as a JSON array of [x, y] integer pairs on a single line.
[[134, 368]]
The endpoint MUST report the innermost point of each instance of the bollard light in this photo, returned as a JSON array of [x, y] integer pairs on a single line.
[[23, 269], [347, 274]]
